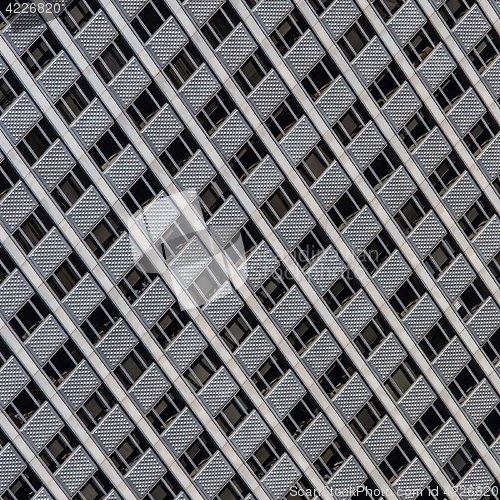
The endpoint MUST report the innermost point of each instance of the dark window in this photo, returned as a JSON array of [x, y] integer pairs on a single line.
[[109, 63]]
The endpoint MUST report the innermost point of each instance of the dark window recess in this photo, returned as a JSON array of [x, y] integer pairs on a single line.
[[220, 25], [356, 38], [77, 14], [109, 63], [10, 88], [33, 229], [183, 65], [421, 45], [37, 141], [146, 105], [75, 100], [41, 52], [215, 112], [109, 147], [150, 18]]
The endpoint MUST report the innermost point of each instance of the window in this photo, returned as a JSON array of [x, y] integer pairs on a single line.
[[356, 38], [215, 112], [265, 456], [234, 413], [213, 197], [472, 298], [104, 234], [320, 77], [397, 461], [386, 84], [289, 31], [180, 151], [436, 339], [431, 421], [270, 373], [422, 44], [239, 328], [29, 317], [108, 147], [175, 238], [311, 247], [25, 486], [150, 18], [442, 256], [37, 141], [202, 368], [330, 461], [183, 65], [372, 335], [460, 463], [412, 212], [337, 375], [109, 63], [386, 8], [33, 229], [401, 379], [7, 16], [301, 415], [8, 177], [207, 283], [41, 52], [146, 105], [453, 10], [135, 282], [75, 100], [25, 404], [315, 163], [66, 276], [129, 451], [275, 287], [485, 51], [381, 168], [95, 488], [489, 428], [494, 266], [133, 366], [338, 296], [6, 264], [248, 158], [367, 418], [407, 296], [351, 123], [96, 407], [346, 207], [481, 134], [235, 489], [10, 88], [279, 203], [5, 353], [62, 362], [167, 488], [417, 129], [476, 217], [100, 321], [252, 71], [198, 454], [377, 252], [220, 25], [243, 243], [69, 190], [287, 114], [446, 173], [165, 411], [170, 325], [59, 449], [77, 14], [466, 381], [319, 5], [451, 90]]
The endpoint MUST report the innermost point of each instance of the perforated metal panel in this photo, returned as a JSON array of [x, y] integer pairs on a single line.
[[45, 340], [271, 12], [422, 317], [129, 82], [218, 391], [182, 432], [75, 471], [346, 479], [392, 274], [362, 229], [23, 30], [92, 123], [485, 321], [471, 28], [54, 165], [11, 465], [432, 151], [83, 299], [117, 343], [451, 360], [237, 48], [232, 135], [145, 473], [131, 7], [291, 309], [14, 293], [436, 67], [466, 112], [371, 61], [79, 385], [261, 263], [397, 190], [286, 394], [250, 434], [340, 16], [49, 253], [447, 441], [163, 129], [252, 353], [336, 100], [481, 401], [149, 388], [413, 480], [352, 397], [326, 270], [476, 483], [366, 146], [406, 22], [191, 261], [300, 140], [202, 10], [357, 314], [88, 211], [186, 347], [321, 354], [120, 258], [331, 185], [492, 78], [58, 76], [16, 206], [487, 242], [304, 54], [263, 180], [382, 439], [227, 221], [42, 426], [216, 473], [427, 234], [317, 437], [195, 175], [154, 302], [268, 94], [402, 106], [488, 159], [295, 225], [20, 118], [417, 399], [457, 277], [387, 357], [112, 430], [167, 42], [281, 477], [199, 88], [96, 35], [223, 306], [13, 379], [158, 216]]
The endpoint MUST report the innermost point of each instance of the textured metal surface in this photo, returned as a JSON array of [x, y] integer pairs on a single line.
[[195, 175], [186, 347], [129, 82], [42, 426], [436, 67], [336, 100], [387, 357], [291, 309], [167, 42], [271, 12], [58, 76], [281, 477], [432, 151], [200, 88], [397, 190], [466, 112], [352, 397], [191, 261], [392, 274], [23, 31], [158, 216], [485, 321], [492, 78], [406, 22], [182, 432], [49, 253], [371, 61], [331, 185], [326, 270], [347, 478], [223, 306], [250, 434], [145, 473], [120, 258], [261, 263], [451, 361], [202, 10], [54, 164], [11, 465], [149, 388], [462, 195], [447, 441], [45, 340], [79, 385], [96, 35], [362, 229], [285, 395], [20, 118], [227, 221], [300, 140], [252, 353], [422, 317], [357, 314], [13, 379], [295, 225], [402, 106], [232, 134], [162, 129], [92, 123], [340, 16], [88, 211], [413, 480], [457, 277], [214, 475], [154, 302], [268, 94], [236, 48], [471, 28], [321, 354], [317, 437], [488, 158], [75, 471], [304, 54], [476, 482], [366, 146], [117, 343], [417, 399], [427, 234], [218, 391], [481, 401], [382, 439], [83, 299], [14, 293], [112, 430], [263, 180]]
